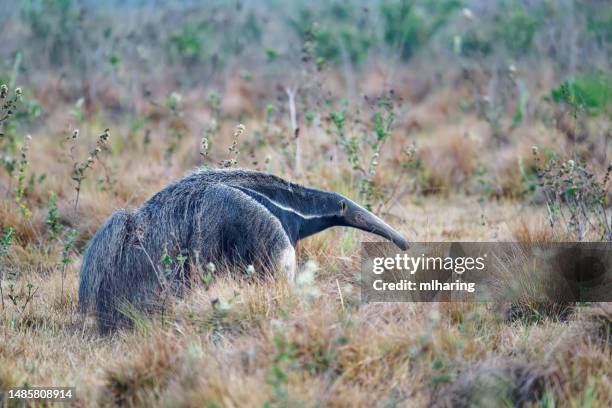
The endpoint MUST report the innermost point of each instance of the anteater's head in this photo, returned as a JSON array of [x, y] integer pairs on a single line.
[[354, 215]]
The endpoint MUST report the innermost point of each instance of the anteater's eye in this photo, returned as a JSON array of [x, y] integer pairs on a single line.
[[343, 206]]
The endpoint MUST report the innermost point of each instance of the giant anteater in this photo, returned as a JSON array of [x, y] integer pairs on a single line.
[[227, 217]]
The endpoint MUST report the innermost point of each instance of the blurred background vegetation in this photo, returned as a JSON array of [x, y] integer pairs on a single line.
[[112, 53], [500, 73]]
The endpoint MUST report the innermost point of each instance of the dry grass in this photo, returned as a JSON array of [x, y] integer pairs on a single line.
[[241, 343], [244, 344]]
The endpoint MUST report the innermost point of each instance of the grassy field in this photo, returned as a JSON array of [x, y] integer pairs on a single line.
[[433, 142]]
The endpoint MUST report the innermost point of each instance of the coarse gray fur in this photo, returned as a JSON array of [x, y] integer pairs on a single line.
[[227, 217]]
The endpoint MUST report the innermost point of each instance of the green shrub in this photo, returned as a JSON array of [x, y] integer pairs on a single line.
[[591, 93], [56, 23], [187, 44], [517, 28], [410, 27], [600, 23], [338, 33], [474, 44]]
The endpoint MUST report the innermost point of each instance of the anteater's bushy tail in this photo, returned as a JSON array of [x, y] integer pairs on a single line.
[[105, 273]]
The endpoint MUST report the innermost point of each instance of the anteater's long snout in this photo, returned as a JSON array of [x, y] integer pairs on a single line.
[[358, 217]]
